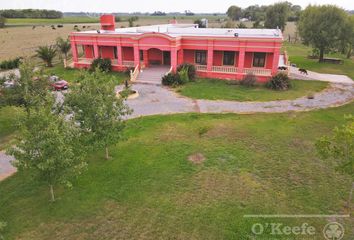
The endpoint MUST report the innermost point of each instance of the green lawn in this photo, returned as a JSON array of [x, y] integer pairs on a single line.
[[254, 164], [72, 75], [8, 116], [214, 89], [298, 54]]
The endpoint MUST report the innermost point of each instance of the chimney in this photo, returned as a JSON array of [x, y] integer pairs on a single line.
[[108, 22]]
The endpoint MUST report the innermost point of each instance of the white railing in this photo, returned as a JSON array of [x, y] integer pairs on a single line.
[[201, 67], [85, 60], [258, 71], [128, 63], [134, 74], [224, 69], [169, 71]]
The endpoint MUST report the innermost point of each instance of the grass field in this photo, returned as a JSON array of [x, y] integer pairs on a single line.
[[8, 116], [73, 75], [254, 164], [215, 89], [298, 54]]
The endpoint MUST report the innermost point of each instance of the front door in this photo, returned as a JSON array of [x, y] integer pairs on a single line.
[[167, 58]]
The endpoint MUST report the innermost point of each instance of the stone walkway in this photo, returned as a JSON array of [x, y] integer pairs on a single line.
[[334, 78], [6, 169]]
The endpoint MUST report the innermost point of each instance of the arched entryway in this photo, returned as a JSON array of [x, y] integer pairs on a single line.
[[156, 56]]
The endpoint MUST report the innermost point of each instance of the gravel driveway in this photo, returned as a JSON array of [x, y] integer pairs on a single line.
[[154, 99]]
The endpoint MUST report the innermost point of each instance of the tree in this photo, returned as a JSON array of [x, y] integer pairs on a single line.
[[97, 110], [340, 147], [257, 24], [347, 38], [234, 12], [255, 12], [47, 54], [2, 21], [201, 24], [30, 89], [131, 20], [321, 27], [47, 147], [295, 11], [241, 25], [64, 48], [277, 15]]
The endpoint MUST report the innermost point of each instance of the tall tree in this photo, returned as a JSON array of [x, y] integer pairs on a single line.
[[64, 48], [340, 147], [47, 147], [348, 36], [322, 26], [30, 89], [234, 12], [47, 54], [2, 21], [98, 110], [277, 15]]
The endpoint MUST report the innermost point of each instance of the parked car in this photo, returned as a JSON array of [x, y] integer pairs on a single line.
[[60, 85]]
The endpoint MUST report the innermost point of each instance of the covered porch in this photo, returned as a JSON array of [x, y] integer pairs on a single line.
[[210, 62], [230, 64]]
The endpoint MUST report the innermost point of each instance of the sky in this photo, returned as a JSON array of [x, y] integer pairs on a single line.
[[197, 6]]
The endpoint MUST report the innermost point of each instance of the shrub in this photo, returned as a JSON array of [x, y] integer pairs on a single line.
[[183, 75], [171, 79], [104, 65], [10, 64], [2, 21], [249, 80], [191, 70], [279, 82]]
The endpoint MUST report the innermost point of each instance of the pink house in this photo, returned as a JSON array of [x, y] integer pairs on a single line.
[[216, 52]]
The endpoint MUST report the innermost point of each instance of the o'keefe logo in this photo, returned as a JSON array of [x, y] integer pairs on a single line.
[[333, 231]]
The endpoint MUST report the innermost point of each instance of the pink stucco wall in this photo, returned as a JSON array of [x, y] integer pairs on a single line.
[[107, 52], [128, 53]]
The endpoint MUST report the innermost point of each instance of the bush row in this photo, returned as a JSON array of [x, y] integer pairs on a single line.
[[104, 64], [185, 72], [10, 64]]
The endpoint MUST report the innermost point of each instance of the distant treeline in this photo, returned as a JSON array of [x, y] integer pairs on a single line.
[[30, 13]]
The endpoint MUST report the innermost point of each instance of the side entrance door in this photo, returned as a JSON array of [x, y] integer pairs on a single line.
[[166, 58]]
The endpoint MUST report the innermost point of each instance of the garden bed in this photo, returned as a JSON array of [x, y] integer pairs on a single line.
[[216, 89]]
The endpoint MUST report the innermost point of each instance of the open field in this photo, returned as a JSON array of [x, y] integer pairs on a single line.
[[215, 89], [65, 20], [23, 41], [254, 164]]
